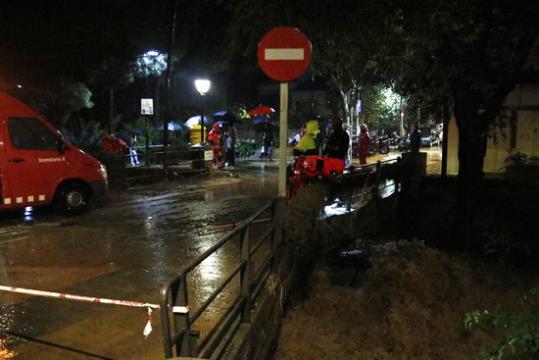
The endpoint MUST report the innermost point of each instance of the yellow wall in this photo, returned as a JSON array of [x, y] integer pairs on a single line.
[[498, 147], [522, 99], [528, 133], [452, 148]]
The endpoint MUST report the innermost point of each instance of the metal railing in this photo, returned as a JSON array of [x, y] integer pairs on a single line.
[[261, 230], [125, 168]]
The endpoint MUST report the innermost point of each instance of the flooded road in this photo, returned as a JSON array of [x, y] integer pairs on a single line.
[[126, 250]]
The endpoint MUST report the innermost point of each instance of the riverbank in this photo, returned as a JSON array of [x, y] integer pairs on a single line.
[[411, 307]]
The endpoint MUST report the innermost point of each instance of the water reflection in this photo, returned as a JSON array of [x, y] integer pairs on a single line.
[[348, 202], [387, 188], [28, 214]]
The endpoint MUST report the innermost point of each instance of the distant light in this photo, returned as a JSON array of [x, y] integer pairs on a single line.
[[152, 53], [202, 86], [19, 86]]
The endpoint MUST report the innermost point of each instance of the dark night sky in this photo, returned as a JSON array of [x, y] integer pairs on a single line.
[[69, 36], [43, 41]]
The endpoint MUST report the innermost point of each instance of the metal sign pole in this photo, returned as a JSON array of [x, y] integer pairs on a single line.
[[147, 141], [283, 138]]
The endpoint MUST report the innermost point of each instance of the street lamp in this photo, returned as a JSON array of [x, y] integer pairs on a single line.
[[202, 86]]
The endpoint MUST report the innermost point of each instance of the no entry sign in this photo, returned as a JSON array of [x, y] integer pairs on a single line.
[[284, 53]]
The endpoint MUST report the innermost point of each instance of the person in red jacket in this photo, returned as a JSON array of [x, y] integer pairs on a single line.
[[112, 145], [214, 138], [363, 144]]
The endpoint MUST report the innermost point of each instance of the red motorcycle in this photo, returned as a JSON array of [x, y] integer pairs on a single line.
[[307, 168]]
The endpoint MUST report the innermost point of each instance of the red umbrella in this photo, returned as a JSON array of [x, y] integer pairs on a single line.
[[261, 110]]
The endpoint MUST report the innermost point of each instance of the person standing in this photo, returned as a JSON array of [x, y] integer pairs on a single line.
[[415, 138], [307, 145], [233, 132], [228, 150], [337, 142], [268, 140], [133, 150], [363, 144], [214, 138]]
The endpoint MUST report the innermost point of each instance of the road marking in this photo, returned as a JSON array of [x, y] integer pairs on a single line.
[[284, 54]]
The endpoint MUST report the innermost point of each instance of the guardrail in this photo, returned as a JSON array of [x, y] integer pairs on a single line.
[[257, 239]]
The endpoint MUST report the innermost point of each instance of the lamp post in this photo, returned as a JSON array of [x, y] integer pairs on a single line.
[[202, 86]]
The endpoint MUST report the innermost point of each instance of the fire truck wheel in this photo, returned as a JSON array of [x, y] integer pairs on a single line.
[[72, 199]]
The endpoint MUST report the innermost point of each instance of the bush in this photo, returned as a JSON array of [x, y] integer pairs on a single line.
[[86, 135], [521, 330]]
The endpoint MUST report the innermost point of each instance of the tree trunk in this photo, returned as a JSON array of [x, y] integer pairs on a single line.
[[345, 103], [446, 118], [471, 154]]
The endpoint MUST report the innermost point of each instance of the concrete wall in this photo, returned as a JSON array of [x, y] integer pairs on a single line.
[[257, 339]]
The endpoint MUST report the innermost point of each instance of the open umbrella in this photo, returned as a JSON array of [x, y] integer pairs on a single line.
[[172, 126], [261, 120], [195, 120], [218, 125], [225, 116], [262, 123], [261, 110]]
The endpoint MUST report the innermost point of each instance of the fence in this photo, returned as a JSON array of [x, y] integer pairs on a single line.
[[256, 241], [126, 169]]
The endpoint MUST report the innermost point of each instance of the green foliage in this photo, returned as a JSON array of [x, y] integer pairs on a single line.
[[60, 100], [139, 128], [516, 159], [241, 111], [151, 63], [86, 135], [521, 330], [245, 148]]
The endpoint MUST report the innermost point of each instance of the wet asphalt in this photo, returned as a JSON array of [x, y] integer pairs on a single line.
[[127, 249]]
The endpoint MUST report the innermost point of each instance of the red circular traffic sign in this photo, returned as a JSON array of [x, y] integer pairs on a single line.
[[284, 53]]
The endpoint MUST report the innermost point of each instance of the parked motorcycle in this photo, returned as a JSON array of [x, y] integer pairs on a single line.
[[379, 145]]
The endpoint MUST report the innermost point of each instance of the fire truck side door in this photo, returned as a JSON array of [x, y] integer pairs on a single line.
[[34, 163]]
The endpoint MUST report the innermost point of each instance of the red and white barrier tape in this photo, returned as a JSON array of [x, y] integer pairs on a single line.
[[97, 300]]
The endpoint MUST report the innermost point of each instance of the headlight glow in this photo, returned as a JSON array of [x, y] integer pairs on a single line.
[[102, 170]]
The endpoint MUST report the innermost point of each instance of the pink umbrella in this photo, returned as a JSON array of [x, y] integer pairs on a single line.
[[261, 110]]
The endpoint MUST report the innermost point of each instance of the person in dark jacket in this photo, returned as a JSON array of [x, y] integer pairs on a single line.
[[415, 138], [338, 141]]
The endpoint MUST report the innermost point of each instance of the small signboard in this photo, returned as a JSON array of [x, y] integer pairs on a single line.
[[146, 106]]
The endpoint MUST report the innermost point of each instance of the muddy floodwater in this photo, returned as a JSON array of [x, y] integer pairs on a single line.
[[125, 250]]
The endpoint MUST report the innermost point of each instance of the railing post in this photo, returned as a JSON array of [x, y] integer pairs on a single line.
[[165, 321], [184, 347], [376, 195], [245, 276]]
